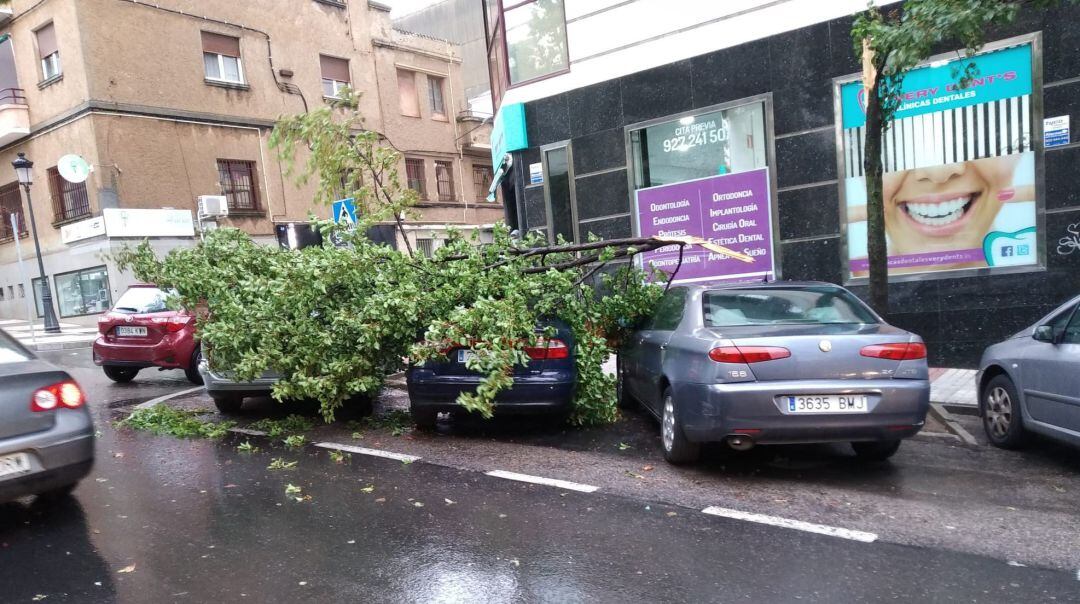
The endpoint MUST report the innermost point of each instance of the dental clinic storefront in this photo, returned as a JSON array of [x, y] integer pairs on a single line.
[[759, 148]]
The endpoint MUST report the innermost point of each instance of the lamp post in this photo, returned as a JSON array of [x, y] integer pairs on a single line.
[[26, 178]]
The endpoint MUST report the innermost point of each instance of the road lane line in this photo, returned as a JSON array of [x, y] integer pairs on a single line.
[[162, 399], [798, 525], [247, 431], [551, 482], [373, 452]]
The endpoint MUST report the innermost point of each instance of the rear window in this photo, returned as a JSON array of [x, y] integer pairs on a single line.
[[11, 351], [770, 306], [139, 300]]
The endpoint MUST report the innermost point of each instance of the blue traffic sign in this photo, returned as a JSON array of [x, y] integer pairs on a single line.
[[344, 210]]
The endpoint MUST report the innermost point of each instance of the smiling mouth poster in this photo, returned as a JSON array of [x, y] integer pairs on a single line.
[[959, 182]]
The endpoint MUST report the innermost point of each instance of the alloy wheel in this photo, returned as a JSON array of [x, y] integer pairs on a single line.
[[667, 424], [998, 412]]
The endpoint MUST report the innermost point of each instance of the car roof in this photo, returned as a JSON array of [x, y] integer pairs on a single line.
[[711, 285]]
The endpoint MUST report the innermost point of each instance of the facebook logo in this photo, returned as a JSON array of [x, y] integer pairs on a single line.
[[1006, 250]]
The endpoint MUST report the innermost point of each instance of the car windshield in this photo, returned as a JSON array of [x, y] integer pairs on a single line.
[[139, 300], [769, 306], [11, 351]]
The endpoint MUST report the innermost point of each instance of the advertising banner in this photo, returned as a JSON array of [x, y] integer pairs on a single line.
[[959, 183], [732, 210]]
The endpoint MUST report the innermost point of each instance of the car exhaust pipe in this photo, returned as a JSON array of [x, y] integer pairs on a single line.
[[740, 442]]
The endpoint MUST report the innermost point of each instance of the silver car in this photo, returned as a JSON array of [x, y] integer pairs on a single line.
[[227, 393], [1030, 383], [46, 434], [774, 363]]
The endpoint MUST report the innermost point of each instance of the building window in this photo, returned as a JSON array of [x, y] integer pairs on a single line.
[[237, 179], [414, 175], [481, 176], [2, 297], [435, 97], [410, 103], [36, 281], [535, 40], [698, 146], [22, 291], [69, 199], [84, 292], [11, 204], [444, 176], [49, 52], [335, 75], [11, 291], [560, 194], [221, 58], [425, 246]]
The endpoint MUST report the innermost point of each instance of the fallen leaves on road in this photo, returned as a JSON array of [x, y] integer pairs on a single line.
[[418, 504], [368, 489], [647, 469], [633, 475], [624, 446], [449, 502], [127, 569], [279, 463]]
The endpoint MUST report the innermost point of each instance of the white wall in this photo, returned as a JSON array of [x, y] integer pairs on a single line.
[[612, 38]]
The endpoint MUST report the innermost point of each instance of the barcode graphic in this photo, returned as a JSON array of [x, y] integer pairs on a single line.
[[947, 137]]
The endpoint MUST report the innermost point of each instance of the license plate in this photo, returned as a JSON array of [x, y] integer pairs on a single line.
[[828, 403], [13, 465], [464, 355], [136, 332]]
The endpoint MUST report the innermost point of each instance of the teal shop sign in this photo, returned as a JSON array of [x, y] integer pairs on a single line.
[[508, 132], [1002, 74]]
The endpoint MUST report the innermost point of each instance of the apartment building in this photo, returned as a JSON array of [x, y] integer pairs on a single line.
[[174, 100]]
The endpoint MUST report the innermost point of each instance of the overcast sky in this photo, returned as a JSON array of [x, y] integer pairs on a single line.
[[404, 7]]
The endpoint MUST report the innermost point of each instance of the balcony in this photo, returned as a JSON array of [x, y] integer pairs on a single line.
[[14, 115]]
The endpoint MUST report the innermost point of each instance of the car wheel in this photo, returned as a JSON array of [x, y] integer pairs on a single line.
[[879, 450], [120, 375], [677, 449], [229, 404], [359, 406], [424, 418], [1002, 420], [192, 372], [622, 397]]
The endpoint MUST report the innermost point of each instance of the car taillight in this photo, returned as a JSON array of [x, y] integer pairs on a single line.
[[173, 324], [62, 394], [748, 354], [548, 349], [898, 351]]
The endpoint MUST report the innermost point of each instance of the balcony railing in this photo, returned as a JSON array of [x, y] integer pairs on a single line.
[[12, 96], [14, 115]]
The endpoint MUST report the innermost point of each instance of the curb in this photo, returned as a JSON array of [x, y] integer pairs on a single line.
[[942, 415], [47, 346]]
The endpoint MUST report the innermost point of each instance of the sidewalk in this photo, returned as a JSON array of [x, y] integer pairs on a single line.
[[70, 336], [953, 387]]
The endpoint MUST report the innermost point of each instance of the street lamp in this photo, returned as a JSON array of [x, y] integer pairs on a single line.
[[26, 178]]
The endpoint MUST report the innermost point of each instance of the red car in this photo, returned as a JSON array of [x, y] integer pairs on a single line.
[[140, 331]]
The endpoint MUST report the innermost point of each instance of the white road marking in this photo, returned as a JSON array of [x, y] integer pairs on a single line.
[[162, 399], [798, 525], [551, 482], [373, 452], [247, 431]]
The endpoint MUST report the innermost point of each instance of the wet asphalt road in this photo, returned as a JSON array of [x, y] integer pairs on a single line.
[[198, 521]]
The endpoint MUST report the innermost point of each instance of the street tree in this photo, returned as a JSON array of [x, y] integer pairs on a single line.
[[891, 43]]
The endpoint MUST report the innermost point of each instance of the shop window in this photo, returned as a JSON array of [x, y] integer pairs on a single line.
[[335, 75], [435, 97], [38, 305], [414, 176], [221, 58], [559, 193], [237, 179], [11, 204], [83, 292], [69, 199], [698, 146], [48, 52], [535, 39], [444, 177], [407, 99], [482, 176]]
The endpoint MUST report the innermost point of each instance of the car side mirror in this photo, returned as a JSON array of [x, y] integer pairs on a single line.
[[1044, 333]]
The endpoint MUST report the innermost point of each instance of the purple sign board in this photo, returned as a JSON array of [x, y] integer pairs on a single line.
[[732, 210]]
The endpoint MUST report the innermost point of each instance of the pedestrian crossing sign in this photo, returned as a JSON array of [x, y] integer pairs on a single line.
[[344, 210]]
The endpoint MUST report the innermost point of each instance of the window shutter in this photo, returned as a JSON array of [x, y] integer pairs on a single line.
[[46, 40], [410, 104], [334, 68], [221, 45]]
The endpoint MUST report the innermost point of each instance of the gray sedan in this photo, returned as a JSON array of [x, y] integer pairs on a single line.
[[1030, 383], [46, 435], [774, 363]]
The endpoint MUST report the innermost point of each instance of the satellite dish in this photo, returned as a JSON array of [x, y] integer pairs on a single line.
[[74, 168]]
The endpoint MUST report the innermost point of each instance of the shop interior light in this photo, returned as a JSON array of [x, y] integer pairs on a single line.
[[686, 121]]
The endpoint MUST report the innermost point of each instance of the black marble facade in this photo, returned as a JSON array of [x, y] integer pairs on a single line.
[[958, 317]]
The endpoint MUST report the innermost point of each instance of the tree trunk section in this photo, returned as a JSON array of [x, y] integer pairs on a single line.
[[876, 251]]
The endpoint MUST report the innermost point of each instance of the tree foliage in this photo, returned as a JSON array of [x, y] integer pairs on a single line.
[[894, 42]]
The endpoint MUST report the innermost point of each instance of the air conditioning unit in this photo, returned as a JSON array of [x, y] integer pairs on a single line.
[[213, 205]]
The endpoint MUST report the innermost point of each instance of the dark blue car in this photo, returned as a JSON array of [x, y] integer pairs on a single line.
[[544, 385]]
